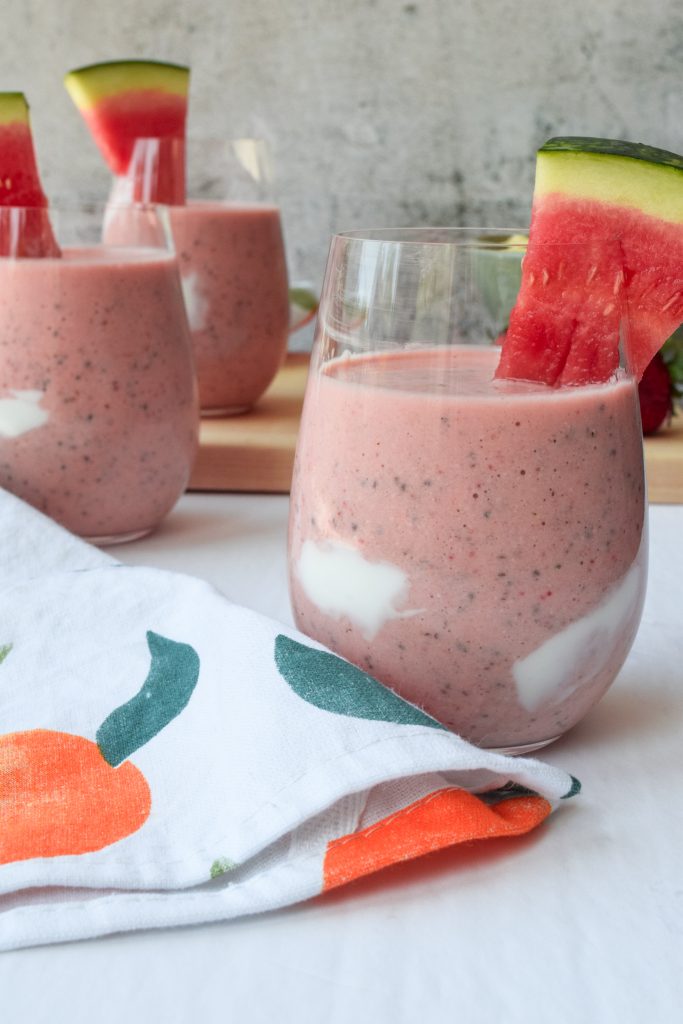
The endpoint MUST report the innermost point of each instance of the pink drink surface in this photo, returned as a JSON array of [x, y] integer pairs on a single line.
[[476, 546], [234, 275], [98, 403]]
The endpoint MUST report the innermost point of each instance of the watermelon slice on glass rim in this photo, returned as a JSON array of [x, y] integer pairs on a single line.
[[136, 111], [25, 229], [604, 263], [137, 114], [660, 389]]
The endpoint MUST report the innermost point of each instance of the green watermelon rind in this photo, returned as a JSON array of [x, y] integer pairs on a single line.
[[100, 72], [108, 64], [13, 96], [14, 108], [613, 148]]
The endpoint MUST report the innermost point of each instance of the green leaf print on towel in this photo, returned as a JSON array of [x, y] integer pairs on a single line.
[[332, 684], [66, 795], [166, 691], [4, 651]]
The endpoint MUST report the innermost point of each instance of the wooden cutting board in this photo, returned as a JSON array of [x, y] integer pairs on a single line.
[[255, 451], [664, 464]]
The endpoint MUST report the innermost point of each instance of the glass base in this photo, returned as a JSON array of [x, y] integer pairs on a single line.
[[228, 410], [519, 750], [118, 538]]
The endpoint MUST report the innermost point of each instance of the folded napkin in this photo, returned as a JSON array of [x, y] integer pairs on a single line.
[[167, 757]]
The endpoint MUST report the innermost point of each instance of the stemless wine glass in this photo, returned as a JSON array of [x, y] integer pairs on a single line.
[[477, 545], [98, 402]]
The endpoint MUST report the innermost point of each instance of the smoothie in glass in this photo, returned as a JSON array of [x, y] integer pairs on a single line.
[[234, 278], [232, 263], [98, 403], [475, 545]]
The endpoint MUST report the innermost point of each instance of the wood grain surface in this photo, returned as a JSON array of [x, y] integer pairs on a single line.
[[255, 451], [664, 464]]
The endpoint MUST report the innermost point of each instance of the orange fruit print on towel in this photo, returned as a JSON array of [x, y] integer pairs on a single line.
[[444, 818], [63, 794]]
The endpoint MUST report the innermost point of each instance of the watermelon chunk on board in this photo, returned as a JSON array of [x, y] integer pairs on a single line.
[[604, 263], [25, 229], [126, 101]]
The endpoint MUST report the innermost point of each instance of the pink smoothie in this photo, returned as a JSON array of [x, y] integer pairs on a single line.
[[98, 404], [234, 275], [477, 546]]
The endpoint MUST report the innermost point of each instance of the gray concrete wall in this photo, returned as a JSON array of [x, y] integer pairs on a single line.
[[378, 111]]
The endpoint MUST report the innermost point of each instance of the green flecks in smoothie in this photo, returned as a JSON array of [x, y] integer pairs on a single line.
[[573, 790], [222, 866], [4, 651], [332, 684], [166, 691]]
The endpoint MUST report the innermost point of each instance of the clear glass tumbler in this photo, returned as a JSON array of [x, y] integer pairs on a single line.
[[98, 402], [477, 545]]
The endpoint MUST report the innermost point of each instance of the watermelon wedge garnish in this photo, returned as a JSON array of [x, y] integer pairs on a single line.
[[25, 228], [136, 111], [604, 263]]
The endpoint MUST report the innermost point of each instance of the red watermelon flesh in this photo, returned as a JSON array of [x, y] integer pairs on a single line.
[[136, 111], [25, 229], [116, 121], [567, 323], [156, 171]]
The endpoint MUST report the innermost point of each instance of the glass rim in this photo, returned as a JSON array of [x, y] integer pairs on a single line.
[[496, 237], [227, 137], [77, 225], [202, 202]]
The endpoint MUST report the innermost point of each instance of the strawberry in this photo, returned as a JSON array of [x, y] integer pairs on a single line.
[[654, 393], [661, 384]]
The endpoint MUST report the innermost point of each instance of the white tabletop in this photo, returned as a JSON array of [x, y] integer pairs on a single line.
[[580, 922]]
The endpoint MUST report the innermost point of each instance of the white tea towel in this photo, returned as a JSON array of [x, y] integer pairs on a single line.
[[167, 757]]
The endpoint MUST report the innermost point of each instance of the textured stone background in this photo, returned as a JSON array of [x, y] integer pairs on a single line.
[[378, 111]]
